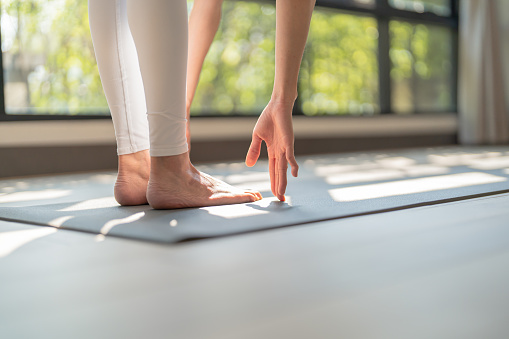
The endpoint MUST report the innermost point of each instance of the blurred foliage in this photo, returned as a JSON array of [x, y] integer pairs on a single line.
[[439, 7], [50, 53], [339, 73], [421, 74], [238, 73]]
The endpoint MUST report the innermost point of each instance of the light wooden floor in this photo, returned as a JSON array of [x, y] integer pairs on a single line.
[[440, 271]]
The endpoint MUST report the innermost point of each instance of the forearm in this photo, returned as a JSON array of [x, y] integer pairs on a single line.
[[292, 26], [203, 24]]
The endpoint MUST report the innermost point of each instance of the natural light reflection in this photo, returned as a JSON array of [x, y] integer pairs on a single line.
[[372, 175], [412, 186], [325, 170], [262, 186], [247, 177], [396, 162], [57, 222], [91, 204], [490, 163], [99, 238], [35, 195], [383, 169], [418, 170], [460, 159], [241, 210], [104, 178], [258, 181], [115, 222], [11, 241], [7, 189]]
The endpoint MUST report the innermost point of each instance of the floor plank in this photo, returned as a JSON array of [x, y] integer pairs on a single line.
[[437, 271]]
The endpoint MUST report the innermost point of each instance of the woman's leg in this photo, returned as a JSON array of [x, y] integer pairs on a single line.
[[118, 65], [159, 29]]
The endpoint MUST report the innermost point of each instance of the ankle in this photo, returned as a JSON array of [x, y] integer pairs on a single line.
[[175, 164], [134, 163]]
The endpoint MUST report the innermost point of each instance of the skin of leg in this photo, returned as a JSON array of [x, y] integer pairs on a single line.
[[203, 24], [159, 29], [132, 179], [122, 83]]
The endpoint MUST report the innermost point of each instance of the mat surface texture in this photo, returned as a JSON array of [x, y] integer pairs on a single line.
[[328, 187]]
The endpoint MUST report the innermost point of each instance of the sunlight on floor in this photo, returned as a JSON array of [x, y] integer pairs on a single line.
[[490, 163], [11, 241], [91, 204], [244, 178], [371, 175], [115, 222], [460, 159], [243, 210], [385, 174], [412, 186], [419, 170], [261, 186], [377, 169], [234, 211], [324, 170], [58, 222], [396, 162], [34, 195]]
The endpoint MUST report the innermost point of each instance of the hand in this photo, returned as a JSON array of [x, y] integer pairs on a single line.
[[275, 128]]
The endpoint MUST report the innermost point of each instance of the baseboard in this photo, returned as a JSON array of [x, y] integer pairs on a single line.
[[28, 161]]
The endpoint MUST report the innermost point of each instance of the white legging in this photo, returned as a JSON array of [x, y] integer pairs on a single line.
[[141, 52]]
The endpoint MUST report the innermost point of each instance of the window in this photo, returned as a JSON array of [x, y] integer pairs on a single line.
[[421, 73], [363, 57], [48, 59]]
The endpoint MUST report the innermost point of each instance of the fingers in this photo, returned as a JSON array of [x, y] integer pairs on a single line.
[[281, 182], [290, 157], [272, 172], [254, 151]]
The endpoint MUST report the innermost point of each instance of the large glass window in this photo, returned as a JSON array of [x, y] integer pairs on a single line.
[[339, 73], [238, 71], [48, 59], [49, 68], [439, 7], [421, 74]]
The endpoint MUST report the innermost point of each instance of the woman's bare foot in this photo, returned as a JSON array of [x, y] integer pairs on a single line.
[[132, 180], [175, 183]]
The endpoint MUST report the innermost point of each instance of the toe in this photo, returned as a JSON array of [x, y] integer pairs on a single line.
[[253, 195], [256, 193]]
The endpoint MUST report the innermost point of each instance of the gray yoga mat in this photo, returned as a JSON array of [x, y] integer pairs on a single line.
[[328, 187]]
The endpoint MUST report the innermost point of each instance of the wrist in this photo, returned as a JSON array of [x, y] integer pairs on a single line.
[[281, 106], [284, 97]]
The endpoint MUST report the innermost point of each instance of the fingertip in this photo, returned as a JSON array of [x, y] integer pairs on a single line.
[[250, 162]]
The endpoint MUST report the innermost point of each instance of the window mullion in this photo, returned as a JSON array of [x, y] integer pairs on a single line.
[[384, 62]]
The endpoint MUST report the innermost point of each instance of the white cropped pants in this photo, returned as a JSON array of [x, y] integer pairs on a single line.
[[141, 52]]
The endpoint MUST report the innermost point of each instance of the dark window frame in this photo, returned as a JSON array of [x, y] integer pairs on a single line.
[[382, 12]]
